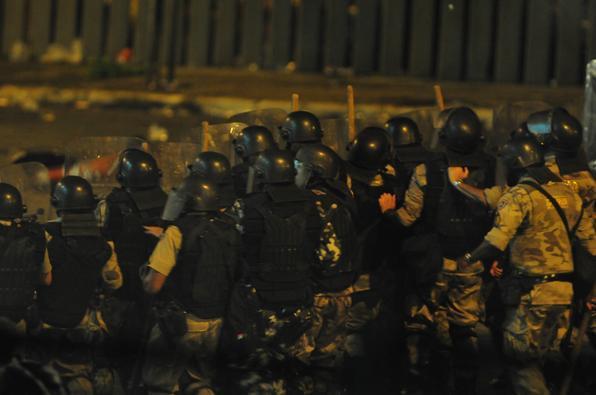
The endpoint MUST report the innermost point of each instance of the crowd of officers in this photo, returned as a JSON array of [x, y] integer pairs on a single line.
[[298, 272]]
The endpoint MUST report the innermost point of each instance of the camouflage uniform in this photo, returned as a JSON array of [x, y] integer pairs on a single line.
[[456, 297], [534, 327], [583, 184]]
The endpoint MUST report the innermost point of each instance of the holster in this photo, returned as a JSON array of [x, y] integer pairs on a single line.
[[514, 287], [171, 319]]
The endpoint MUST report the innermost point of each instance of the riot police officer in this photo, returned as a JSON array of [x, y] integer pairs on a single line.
[[451, 225], [80, 258], [537, 290], [271, 310], [126, 215], [251, 141], [370, 174], [318, 170], [128, 209], [22, 262], [408, 152], [193, 268], [300, 128], [216, 168], [368, 162]]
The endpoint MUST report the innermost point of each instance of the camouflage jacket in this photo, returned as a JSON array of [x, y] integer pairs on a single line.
[[529, 224]]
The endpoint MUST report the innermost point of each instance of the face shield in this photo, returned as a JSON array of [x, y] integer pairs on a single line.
[[175, 205], [303, 174], [540, 125]]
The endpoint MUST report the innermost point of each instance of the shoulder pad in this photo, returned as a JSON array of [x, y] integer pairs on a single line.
[[117, 195], [149, 199]]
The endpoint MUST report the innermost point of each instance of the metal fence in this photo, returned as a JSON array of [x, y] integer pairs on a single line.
[[517, 41]]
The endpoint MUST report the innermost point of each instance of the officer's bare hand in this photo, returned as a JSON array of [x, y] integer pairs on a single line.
[[387, 202], [154, 231], [591, 304], [496, 270], [458, 173]]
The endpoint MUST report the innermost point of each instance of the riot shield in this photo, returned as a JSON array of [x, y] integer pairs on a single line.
[[33, 181], [507, 118], [219, 138], [335, 135], [96, 159], [271, 118], [173, 160], [589, 116], [425, 119]]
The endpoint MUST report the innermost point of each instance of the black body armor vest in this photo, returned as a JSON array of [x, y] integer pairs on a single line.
[[21, 256], [375, 233], [281, 235], [206, 269], [128, 213], [460, 222], [77, 262]]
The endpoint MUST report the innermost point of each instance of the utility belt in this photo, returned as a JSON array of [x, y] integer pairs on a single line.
[[545, 278], [171, 319], [519, 284]]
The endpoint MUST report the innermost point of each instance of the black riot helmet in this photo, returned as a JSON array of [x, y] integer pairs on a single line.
[[319, 158], [557, 130], [201, 194], [521, 132], [195, 194], [138, 170], [274, 167], [301, 127], [525, 156], [316, 160], [371, 149], [11, 202], [253, 140], [460, 130], [403, 132], [521, 153], [73, 193], [211, 165]]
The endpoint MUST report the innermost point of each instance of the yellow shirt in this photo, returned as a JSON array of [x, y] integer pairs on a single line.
[[164, 256]]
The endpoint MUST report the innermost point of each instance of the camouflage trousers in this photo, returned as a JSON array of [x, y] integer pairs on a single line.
[[71, 352], [269, 348], [532, 335], [330, 327], [192, 354], [441, 326], [456, 299]]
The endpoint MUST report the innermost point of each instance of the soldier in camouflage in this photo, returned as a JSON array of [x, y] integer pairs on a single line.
[[560, 134], [537, 287]]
